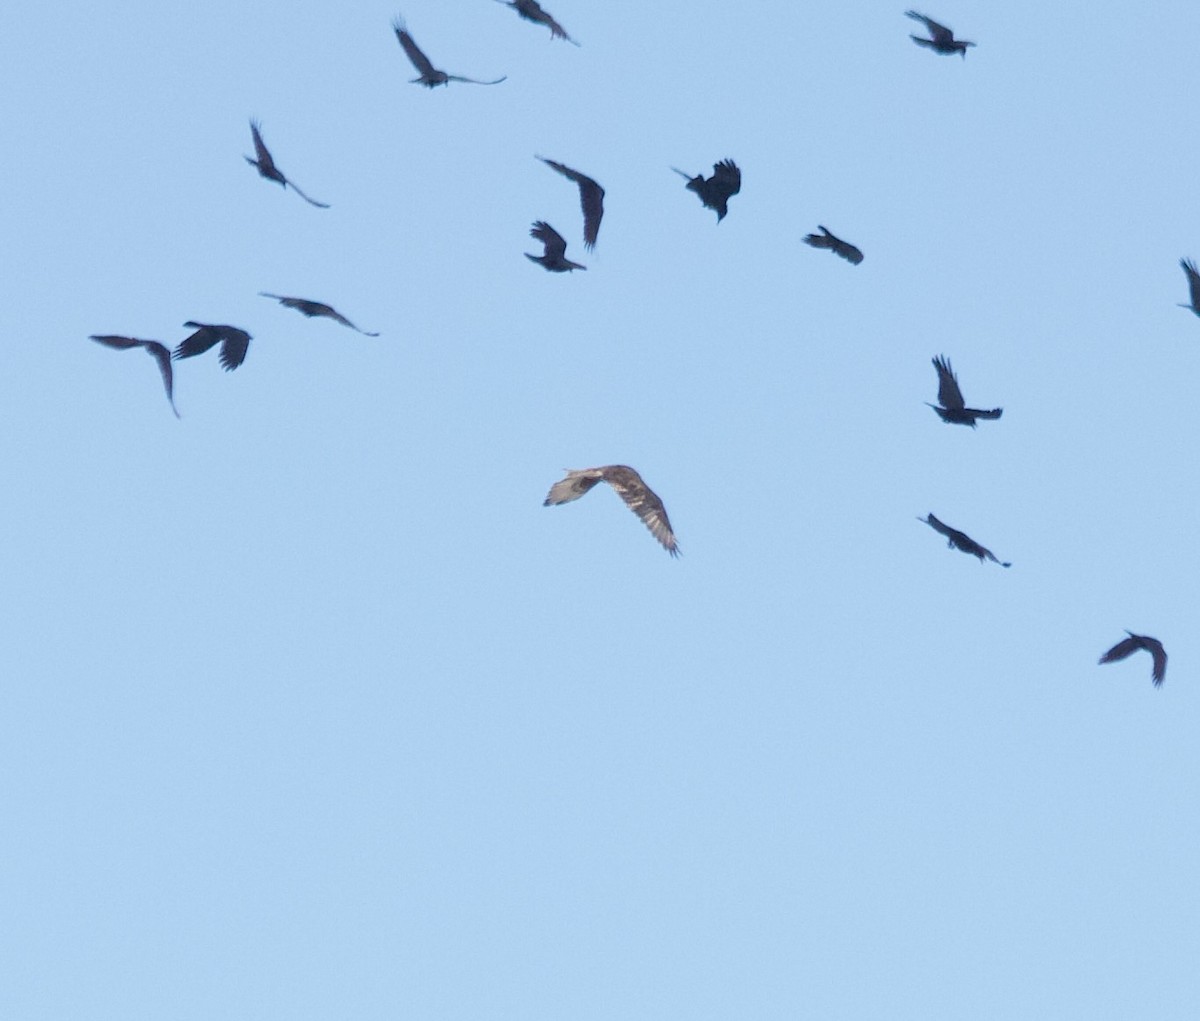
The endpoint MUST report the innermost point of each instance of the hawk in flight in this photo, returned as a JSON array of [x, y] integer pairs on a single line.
[[638, 497]]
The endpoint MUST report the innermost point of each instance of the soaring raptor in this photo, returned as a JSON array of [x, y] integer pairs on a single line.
[[639, 497]]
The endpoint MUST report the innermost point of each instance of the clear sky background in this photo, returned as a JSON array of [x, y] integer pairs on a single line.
[[311, 710]]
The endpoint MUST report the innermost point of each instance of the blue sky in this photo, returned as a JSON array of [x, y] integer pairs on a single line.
[[310, 709]]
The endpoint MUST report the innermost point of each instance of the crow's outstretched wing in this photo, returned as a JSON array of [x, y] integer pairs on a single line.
[[591, 199]]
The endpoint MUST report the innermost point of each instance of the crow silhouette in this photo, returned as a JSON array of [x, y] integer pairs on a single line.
[[943, 40], [315, 308], [1128, 646], [266, 167], [531, 10], [962, 541], [234, 343], [429, 75], [555, 249], [716, 191], [836, 245], [953, 408]]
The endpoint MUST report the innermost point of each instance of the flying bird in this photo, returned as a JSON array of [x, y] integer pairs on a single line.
[[591, 198], [716, 192], [953, 408], [156, 350], [315, 308], [943, 40], [1193, 279], [962, 541], [531, 10], [554, 257], [639, 497], [430, 76], [234, 343], [266, 167], [1128, 646], [836, 245]]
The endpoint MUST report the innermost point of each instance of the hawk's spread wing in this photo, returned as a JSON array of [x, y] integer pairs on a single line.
[[629, 486], [644, 502], [573, 486]]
